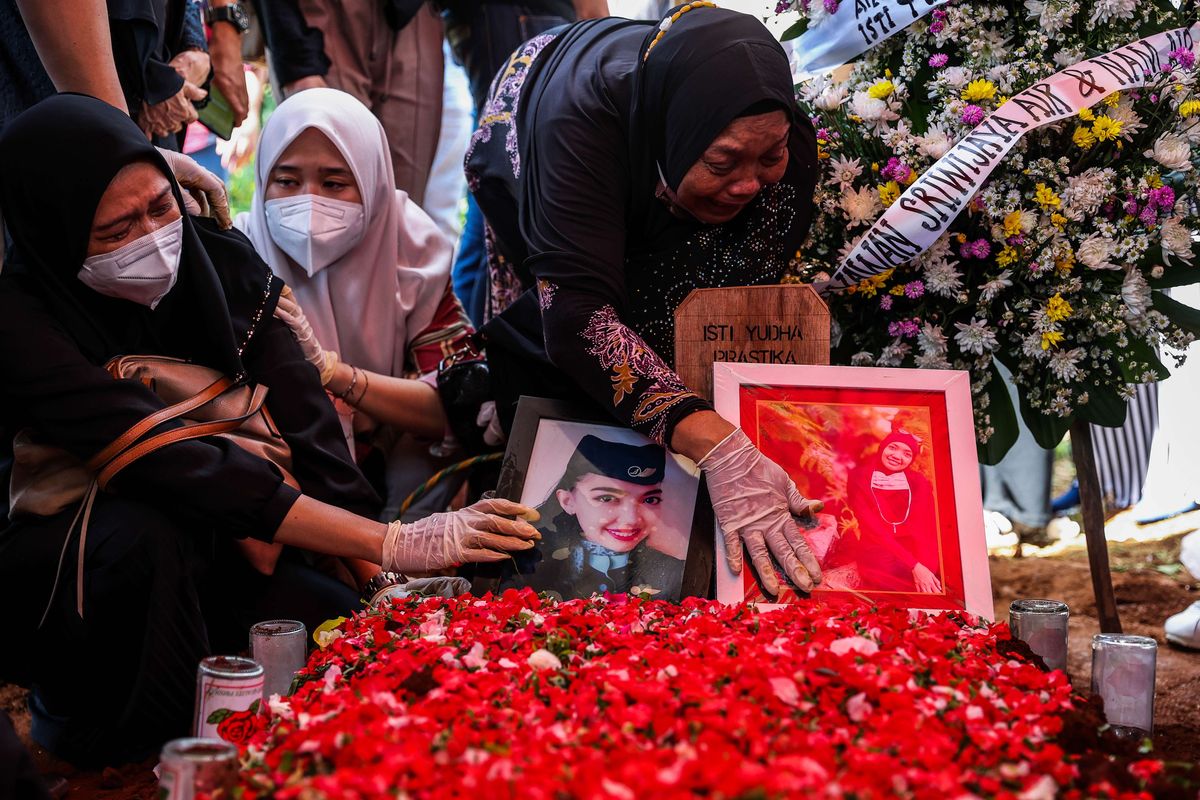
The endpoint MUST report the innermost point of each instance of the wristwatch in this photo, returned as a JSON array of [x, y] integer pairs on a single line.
[[232, 13]]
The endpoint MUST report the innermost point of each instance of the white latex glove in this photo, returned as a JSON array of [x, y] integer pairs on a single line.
[[754, 500], [475, 533], [489, 420], [289, 311], [925, 580], [442, 586], [205, 192]]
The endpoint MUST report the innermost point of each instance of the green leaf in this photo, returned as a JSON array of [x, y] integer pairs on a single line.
[[1182, 275], [1104, 407], [1047, 429], [1170, 569], [254, 706], [1004, 421], [1185, 317], [794, 31], [218, 716]]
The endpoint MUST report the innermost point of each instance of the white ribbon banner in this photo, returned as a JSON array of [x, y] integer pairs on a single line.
[[843, 36], [912, 224]]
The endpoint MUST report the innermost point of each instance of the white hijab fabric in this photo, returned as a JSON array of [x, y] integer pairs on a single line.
[[369, 304]]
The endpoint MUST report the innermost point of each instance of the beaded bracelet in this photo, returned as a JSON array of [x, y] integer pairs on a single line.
[[666, 24], [366, 385]]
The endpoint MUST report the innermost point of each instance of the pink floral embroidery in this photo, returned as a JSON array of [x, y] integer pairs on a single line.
[[621, 350], [545, 290]]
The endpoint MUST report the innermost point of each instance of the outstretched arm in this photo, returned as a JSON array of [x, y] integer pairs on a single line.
[[73, 40]]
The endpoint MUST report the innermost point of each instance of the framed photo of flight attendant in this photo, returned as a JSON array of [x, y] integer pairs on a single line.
[[619, 513], [891, 452]]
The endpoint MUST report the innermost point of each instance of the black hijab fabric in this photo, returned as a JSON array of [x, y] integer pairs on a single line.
[[711, 65], [57, 159]]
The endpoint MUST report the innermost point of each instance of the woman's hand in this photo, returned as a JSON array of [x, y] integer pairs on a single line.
[[289, 311], [475, 533], [754, 500], [925, 580], [173, 114]]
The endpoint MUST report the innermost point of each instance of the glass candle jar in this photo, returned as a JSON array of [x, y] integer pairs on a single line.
[[281, 646], [1123, 670], [1042, 624], [191, 766], [228, 688]]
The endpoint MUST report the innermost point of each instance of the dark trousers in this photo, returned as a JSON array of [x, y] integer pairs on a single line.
[[482, 38], [115, 684]]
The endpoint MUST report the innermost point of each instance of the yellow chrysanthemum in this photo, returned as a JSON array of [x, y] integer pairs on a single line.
[[1057, 309], [1189, 108], [869, 287], [897, 290], [1012, 224], [1006, 256], [1046, 198], [1112, 100], [888, 193], [979, 89], [1083, 138], [882, 89], [1106, 128], [961, 237], [1051, 339], [1065, 263], [1153, 180], [1086, 114], [1058, 220]]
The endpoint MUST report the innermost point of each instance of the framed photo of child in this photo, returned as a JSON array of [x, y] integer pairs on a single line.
[[891, 452], [619, 514]]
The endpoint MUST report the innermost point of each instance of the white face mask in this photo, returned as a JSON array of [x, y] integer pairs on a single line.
[[142, 271], [315, 231]]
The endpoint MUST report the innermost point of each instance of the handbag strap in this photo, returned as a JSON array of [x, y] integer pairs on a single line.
[[152, 421], [197, 431]]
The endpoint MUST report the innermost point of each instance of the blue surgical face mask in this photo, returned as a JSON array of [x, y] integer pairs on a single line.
[[142, 271]]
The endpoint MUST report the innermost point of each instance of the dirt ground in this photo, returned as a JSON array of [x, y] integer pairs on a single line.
[[1150, 585]]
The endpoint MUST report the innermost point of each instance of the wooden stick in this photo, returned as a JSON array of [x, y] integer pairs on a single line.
[[1091, 502]]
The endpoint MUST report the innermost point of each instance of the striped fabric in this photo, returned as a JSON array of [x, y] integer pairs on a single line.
[[1123, 454]]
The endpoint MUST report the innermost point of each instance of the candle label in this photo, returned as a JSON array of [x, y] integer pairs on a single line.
[[175, 781], [227, 708]]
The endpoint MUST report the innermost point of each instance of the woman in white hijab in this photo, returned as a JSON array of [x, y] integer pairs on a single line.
[[369, 268]]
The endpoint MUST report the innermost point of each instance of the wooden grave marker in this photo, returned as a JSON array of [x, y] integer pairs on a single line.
[[776, 324]]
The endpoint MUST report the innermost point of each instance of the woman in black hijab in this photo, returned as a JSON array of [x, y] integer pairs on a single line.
[[620, 165], [104, 265]]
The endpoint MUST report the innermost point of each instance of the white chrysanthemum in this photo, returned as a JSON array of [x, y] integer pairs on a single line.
[[843, 171], [861, 205], [1108, 10], [1086, 191], [957, 77], [894, 354], [932, 339], [1135, 293], [1064, 364], [976, 337], [1173, 152], [874, 111], [942, 278], [932, 360], [935, 143], [831, 97], [989, 290], [1176, 241], [1094, 253], [1051, 16], [1131, 123]]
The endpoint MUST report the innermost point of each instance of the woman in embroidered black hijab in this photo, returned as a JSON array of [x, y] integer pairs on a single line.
[[620, 165], [106, 264]]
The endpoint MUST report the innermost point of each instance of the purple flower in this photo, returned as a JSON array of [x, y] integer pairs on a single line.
[[782, 6], [939, 60], [914, 290], [937, 26], [885, 302], [908, 328], [972, 115], [1131, 207], [831, 6], [1153, 98], [1148, 216], [1162, 197], [976, 249], [1184, 57], [896, 170]]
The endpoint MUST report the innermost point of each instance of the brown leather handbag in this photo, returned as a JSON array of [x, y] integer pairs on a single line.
[[47, 480]]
